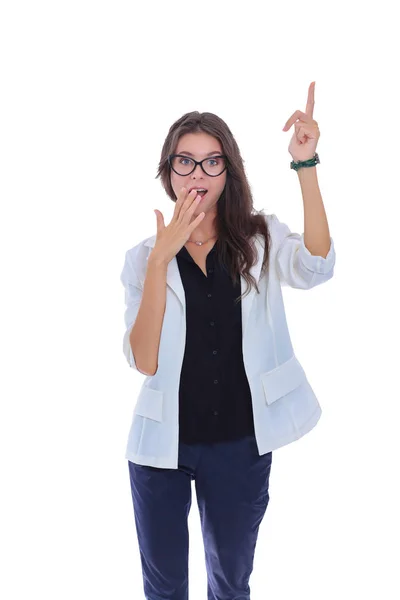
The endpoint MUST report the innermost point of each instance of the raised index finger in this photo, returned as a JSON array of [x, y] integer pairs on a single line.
[[310, 100]]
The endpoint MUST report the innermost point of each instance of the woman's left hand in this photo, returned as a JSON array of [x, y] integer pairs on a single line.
[[306, 135]]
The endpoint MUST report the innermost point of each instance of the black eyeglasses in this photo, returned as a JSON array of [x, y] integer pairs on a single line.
[[183, 165]]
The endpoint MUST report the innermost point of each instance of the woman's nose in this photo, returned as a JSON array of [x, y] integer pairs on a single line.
[[198, 170]]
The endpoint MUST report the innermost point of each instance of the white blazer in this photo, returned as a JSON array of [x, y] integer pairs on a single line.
[[284, 405]]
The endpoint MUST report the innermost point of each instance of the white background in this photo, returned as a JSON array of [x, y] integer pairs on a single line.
[[88, 93]]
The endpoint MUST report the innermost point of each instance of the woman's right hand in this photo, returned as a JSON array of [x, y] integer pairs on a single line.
[[172, 238]]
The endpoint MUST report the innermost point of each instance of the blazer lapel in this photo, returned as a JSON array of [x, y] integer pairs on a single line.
[[174, 280]]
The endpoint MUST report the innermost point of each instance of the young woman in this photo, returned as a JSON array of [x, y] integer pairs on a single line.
[[223, 387]]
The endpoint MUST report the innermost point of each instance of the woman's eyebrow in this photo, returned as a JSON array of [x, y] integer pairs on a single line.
[[190, 154]]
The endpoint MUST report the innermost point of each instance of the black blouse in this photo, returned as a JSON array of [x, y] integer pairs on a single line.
[[214, 394]]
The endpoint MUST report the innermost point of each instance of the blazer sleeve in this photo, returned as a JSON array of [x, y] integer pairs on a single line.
[[133, 297], [294, 263]]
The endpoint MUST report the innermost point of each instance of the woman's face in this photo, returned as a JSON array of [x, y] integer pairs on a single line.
[[198, 146]]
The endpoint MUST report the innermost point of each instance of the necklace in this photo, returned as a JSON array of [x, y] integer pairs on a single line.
[[201, 243]]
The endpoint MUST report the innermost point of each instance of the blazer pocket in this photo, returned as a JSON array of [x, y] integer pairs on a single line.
[[149, 404], [282, 380]]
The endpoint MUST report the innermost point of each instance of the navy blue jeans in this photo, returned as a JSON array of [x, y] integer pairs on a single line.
[[231, 481]]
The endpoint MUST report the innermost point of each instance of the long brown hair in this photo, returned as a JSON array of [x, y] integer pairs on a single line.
[[236, 220]]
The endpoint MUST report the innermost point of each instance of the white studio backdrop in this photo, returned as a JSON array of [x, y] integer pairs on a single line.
[[88, 93]]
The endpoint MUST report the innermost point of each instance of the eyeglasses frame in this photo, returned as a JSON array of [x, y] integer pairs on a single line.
[[196, 162]]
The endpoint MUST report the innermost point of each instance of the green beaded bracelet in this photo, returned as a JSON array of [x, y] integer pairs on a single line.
[[311, 162]]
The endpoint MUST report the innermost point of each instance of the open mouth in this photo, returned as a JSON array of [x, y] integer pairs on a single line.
[[202, 193]]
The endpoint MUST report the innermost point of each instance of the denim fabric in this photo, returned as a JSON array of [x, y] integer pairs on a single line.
[[231, 481]]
